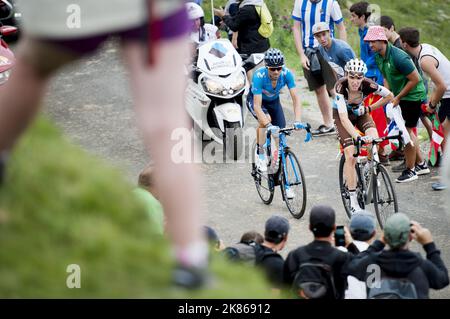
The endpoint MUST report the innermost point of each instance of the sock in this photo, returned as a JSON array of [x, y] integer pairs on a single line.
[[194, 255], [353, 198]]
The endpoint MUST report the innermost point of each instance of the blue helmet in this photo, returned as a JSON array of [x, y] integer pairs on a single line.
[[274, 58]]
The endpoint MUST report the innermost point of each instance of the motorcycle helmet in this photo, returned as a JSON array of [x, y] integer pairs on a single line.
[[274, 58], [194, 11]]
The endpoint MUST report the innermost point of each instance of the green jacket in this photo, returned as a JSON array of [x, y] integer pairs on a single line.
[[395, 67]]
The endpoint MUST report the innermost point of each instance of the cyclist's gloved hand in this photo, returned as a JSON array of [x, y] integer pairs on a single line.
[[273, 129], [366, 139], [299, 126], [360, 110]]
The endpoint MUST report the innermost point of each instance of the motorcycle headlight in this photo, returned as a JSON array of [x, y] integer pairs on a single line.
[[212, 86], [4, 76], [239, 82]]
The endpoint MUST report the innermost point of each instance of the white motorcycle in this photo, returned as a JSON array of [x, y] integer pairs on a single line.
[[216, 95]]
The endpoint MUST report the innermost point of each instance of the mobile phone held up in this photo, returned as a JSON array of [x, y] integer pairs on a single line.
[[339, 236]]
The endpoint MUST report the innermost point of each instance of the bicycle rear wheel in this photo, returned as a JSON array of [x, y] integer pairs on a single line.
[[345, 194], [263, 181], [292, 175], [384, 196]]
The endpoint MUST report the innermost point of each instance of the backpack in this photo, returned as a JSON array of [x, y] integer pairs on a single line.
[[249, 253], [314, 280], [266, 27], [393, 288]]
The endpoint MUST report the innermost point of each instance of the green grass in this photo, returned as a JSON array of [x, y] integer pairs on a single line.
[[61, 206], [431, 17]]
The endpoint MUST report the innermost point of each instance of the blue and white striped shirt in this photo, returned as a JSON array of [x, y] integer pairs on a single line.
[[309, 13]]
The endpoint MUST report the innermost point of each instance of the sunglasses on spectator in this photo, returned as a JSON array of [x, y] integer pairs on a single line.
[[276, 68], [356, 76]]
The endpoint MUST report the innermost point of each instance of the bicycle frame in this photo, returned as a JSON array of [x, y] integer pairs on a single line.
[[282, 145], [374, 162]]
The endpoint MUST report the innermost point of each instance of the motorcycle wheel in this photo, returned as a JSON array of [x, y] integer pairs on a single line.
[[233, 140]]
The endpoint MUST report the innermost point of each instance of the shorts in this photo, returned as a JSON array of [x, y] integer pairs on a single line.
[[47, 55], [362, 123], [327, 76], [273, 108], [411, 112], [444, 110]]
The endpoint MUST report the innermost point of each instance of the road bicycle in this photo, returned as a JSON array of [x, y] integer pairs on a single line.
[[283, 170], [373, 182]]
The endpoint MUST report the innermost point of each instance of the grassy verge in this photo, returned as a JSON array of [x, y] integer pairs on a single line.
[[60, 206]]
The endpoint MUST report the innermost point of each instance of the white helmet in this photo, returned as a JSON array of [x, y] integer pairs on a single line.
[[356, 65], [194, 11]]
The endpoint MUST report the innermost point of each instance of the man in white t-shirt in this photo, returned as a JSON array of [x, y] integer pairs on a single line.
[[437, 67]]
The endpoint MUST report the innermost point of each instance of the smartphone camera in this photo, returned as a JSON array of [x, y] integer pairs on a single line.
[[339, 236]]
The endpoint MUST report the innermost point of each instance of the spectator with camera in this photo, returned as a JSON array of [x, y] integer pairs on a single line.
[[315, 271], [363, 232], [402, 273]]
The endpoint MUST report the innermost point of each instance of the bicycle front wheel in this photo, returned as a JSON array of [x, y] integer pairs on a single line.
[[345, 194], [292, 176], [384, 197]]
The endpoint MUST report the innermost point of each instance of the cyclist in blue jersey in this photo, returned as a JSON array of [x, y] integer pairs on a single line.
[[264, 99]]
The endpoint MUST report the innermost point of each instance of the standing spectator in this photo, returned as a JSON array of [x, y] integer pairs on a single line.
[[403, 79], [334, 51], [363, 231], [360, 14], [359, 17], [154, 59], [322, 225], [437, 67], [394, 38], [246, 22], [389, 29], [399, 262], [316, 70]]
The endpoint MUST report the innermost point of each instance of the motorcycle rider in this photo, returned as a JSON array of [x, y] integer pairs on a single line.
[[264, 101], [201, 32]]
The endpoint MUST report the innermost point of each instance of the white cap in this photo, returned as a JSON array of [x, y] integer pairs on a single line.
[[320, 27]]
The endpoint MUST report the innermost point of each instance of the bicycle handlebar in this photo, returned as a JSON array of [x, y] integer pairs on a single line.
[[360, 142], [306, 127]]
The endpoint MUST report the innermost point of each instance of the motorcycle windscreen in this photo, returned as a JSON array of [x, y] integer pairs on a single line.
[[218, 57]]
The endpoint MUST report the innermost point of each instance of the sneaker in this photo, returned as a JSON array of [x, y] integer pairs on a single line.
[[261, 162], [323, 130], [422, 169], [408, 175], [438, 186], [355, 209], [290, 193], [190, 277], [399, 168]]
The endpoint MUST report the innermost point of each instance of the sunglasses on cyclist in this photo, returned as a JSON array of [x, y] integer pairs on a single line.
[[356, 76], [275, 68]]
